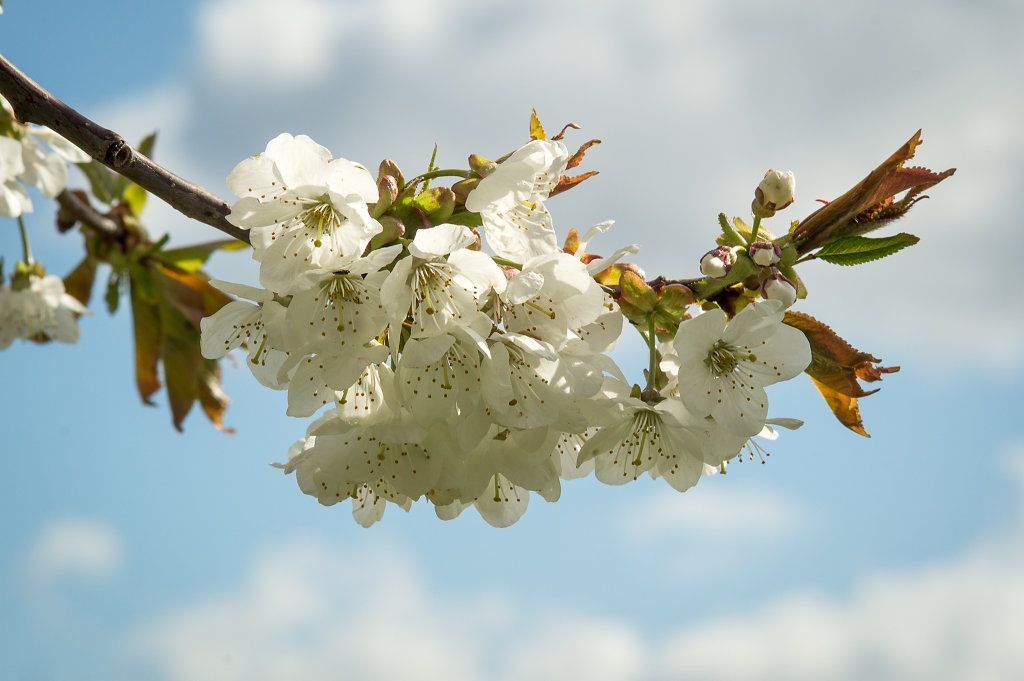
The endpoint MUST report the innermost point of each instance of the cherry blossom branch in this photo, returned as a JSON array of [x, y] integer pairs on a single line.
[[33, 104], [88, 215]]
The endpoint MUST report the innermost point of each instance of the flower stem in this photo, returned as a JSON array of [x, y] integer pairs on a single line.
[[652, 343], [26, 247], [444, 172], [754, 230]]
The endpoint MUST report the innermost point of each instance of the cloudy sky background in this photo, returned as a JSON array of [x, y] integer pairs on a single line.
[[133, 552]]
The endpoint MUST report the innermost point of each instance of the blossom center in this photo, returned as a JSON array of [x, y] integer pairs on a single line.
[[320, 217], [724, 358]]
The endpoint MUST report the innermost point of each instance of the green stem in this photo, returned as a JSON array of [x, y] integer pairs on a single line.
[[652, 343], [26, 247], [444, 172], [753, 230]]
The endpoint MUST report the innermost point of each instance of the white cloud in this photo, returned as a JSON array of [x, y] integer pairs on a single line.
[[312, 612], [725, 514], [70, 548]]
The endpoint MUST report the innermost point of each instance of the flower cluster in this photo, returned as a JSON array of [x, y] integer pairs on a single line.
[[440, 371]]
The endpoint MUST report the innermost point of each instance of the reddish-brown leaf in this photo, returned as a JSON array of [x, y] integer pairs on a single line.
[[566, 182], [577, 158], [561, 133], [148, 343], [211, 397], [883, 182], [845, 408], [835, 369], [835, 362]]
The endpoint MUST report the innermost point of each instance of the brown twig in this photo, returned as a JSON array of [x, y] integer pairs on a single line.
[[33, 104], [88, 215]]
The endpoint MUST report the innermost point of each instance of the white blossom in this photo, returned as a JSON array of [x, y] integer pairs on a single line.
[[40, 309], [511, 201], [724, 365], [305, 211]]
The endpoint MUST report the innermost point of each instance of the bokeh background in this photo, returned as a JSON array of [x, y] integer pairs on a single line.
[[129, 551]]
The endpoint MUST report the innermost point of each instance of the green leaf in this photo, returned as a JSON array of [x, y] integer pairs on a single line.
[[182, 362], [855, 250], [146, 145], [102, 180], [135, 197], [148, 345], [191, 258], [78, 283], [113, 294]]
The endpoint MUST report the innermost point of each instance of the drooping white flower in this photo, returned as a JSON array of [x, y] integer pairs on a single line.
[[641, 437], [391, 458], [511, 201], [724, 365], [39, 309], [305, 211]]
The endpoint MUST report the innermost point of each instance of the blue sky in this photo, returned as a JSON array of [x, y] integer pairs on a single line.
[[134, 552]]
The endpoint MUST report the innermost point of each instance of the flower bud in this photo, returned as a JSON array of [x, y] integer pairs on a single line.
[[717, 262], [765, 253], [774, 193], [778, 287]]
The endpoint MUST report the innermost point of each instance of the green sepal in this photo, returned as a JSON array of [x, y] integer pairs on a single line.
[[466, 218], [674, 299], [437, 204], [637, 292], [632, 313], [392, 230], [855, 250]]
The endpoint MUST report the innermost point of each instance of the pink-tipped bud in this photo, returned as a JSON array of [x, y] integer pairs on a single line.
[[775, 192], [765, 253], [717, 262], [778, 287]]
